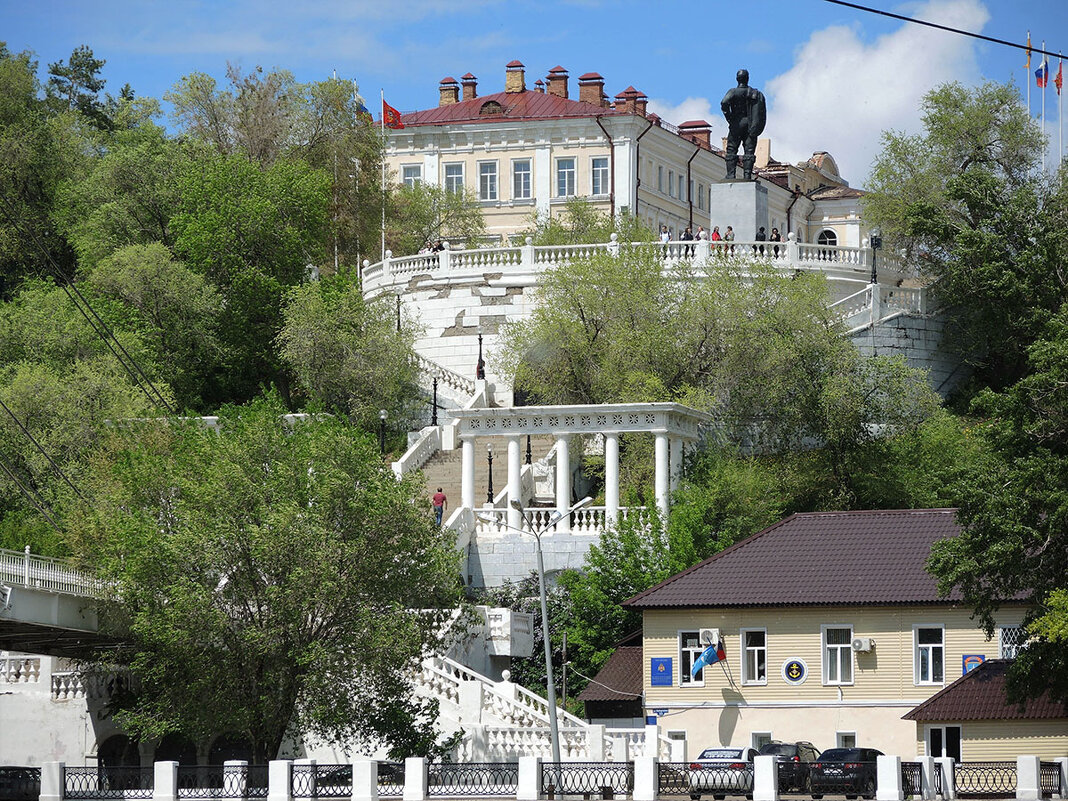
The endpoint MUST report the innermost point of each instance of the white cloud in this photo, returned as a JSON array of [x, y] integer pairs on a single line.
[[692, 108], [842, 92]]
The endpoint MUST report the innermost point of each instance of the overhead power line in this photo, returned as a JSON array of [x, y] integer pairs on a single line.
[[35, 500], [972, 34], [55, 467]]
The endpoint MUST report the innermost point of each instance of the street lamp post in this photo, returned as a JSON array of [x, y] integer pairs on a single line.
[[382, 431], [434, 411], [489, 460], [875, 240], [480, 367], [554, 726]]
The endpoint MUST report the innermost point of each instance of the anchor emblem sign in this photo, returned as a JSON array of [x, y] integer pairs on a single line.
[[794, 671]]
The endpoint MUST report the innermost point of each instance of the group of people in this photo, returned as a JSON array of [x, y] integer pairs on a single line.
[[726, 237]]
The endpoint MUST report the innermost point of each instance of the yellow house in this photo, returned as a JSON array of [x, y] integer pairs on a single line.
[[832, 631]]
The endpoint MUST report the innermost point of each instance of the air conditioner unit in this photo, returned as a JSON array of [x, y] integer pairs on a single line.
[[709, 636], [863, 643]]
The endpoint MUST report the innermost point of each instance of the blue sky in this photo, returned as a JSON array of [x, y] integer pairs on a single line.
[[835, 77]]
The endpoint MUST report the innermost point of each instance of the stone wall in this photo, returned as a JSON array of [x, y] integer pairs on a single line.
[[920, 340]]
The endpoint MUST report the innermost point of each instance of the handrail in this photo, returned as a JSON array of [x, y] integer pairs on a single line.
[[21, 568]]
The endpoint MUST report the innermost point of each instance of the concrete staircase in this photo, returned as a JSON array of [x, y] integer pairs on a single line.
[[443, 470]]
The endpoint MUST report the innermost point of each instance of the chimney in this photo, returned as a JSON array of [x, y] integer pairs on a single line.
[[557, 78], [514, 81], [763, 153], [539, 86], [470, 84], [591, 88], [697, 131], [640, 103], [625, 100], [449, 92]]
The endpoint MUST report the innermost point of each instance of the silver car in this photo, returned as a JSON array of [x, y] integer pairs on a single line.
[[722, 772]]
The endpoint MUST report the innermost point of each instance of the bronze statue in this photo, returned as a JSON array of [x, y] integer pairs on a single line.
[[746, 114]]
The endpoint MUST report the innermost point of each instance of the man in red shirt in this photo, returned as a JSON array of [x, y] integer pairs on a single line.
[[440, 502]]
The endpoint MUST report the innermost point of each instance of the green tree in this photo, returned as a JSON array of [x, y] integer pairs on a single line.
[[257, 582], [76, 85], [424, 213], [580, 222]]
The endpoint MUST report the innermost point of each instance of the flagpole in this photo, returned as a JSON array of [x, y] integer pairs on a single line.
[[1027, 71], [1060, 113], [1044, 67], [383, 127]]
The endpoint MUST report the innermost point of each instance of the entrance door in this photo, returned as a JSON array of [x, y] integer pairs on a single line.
[[944, 741]]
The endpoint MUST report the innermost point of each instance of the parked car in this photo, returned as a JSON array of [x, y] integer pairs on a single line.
[[794, 761], [722, 772], [850, 771], [19, 783]]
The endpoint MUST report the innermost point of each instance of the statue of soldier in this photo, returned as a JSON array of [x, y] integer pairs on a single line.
[[746, 114]]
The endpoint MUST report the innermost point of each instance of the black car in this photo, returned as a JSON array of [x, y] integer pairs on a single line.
[[850, 771], [19, 783], [793, 761]]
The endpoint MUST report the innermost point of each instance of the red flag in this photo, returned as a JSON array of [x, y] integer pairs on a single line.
[[1057, 79], [390, 116]]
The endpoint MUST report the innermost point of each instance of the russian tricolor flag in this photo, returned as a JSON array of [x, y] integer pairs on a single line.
[[712, 654], [1042, 74]]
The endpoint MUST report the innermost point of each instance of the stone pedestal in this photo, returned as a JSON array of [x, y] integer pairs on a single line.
[[740, 204]]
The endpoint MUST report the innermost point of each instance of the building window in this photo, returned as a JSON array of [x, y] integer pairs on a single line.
[[837, 654], [929, 655], [659, 177], [944, 741], [827, 237], [454, 177], [700, 196], [754, 657], [487, 180], [1011, 640], [599, 174], [412, 174], [521, 179], [690, 648], [565, 177], [845, 739], [671, 183]]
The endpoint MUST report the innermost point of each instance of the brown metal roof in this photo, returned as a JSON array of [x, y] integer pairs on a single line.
[[817, 559], [525, 105], [620, 679], [980, 695]]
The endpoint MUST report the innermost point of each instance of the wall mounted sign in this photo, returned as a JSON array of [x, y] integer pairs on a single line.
[[794, 671], [972, 661], [660, 670]]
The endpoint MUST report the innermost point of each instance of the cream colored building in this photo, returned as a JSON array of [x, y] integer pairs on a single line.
[[832, 632], [524, 149]]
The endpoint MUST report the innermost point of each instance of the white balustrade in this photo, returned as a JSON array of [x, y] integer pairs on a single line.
[[428, 443], [462, 385], [20, 670], [21, 568], [68, 685]]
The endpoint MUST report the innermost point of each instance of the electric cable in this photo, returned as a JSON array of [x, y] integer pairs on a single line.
[[58, 470], [35, 499]]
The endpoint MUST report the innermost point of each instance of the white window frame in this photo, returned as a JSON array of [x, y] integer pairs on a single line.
[[942, 727], [827, 233], [744, 650], [684, 678], [759, 738], [529, 171], [415, 176], [1003, 652], [561, 171], [825, 649], [940, 648], [484, 195], [446, 177], [595, 173], [840, 739]]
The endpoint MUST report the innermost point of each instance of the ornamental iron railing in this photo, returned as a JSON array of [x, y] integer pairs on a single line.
[[985, 779], [19, 783], [696, 778], [912, 778], [939, 776], [321, 781], [211, 781], [606, 779], [842, 778], [472, 778], [104, 781], [390, 779], [1049, 779], [792, 777]]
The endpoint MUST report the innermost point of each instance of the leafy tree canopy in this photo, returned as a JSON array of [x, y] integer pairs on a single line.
[[580, 222], [425, 213]]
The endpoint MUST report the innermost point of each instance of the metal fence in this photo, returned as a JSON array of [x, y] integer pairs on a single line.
[[107, 782], [843, 778], [606, 779], [985, 779], [390, 779], [912, 778], [1049, 779], [20, 784], [211, 781], [472, 778], [695, 778], [321, 781]]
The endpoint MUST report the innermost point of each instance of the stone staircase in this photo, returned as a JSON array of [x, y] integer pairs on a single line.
[[443, 470]]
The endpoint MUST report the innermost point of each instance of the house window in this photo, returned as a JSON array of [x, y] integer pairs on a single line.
[[412, 174], [845, 739], [454, 177], [929, 655], [659, 177], [690, 648], [1011, 640], [487, 180], [599, 173], [565, 177], [521, 179], [754, 657], [758, 739], [837, 654], [671, 183], [700, 196], [944, 741], [827, 237]]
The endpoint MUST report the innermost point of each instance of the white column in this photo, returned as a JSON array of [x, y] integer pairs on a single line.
[[515, 486], [660, 481], [765, 778], [645, 779], [596, 742], [611, 478], [279, 780], [888, 778], [1028, 784], [927, 769], [949, 777], [529, 786], [675, 461], [467, 473], [364, 780], [563, 479], [52, 782], [164, 781], [414, 779]]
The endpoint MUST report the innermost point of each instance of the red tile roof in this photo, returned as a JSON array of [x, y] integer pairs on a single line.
[[817, 559], [620, 679], [980, 695], [527, 105], [516, 63]]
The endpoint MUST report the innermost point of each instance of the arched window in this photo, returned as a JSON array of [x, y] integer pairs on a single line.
[[827, 237], [118, 751], [176, 748], [490, 107]]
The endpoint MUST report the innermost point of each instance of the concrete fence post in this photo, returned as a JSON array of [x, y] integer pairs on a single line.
[[596, 747], [235, 779], [52, 785], [949, 777], [701, 254], [679, 750], [365, 780], [1062, 764], [415, 778], [651, 745], [445, 257], [526, 255], [385, 267], [646, 786], [1028, 779], [876, 303], [888, 778], [165, 781], [793, 256], [529, 786], [765, 778], [927, 779], [280, 780], [613, 244]]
